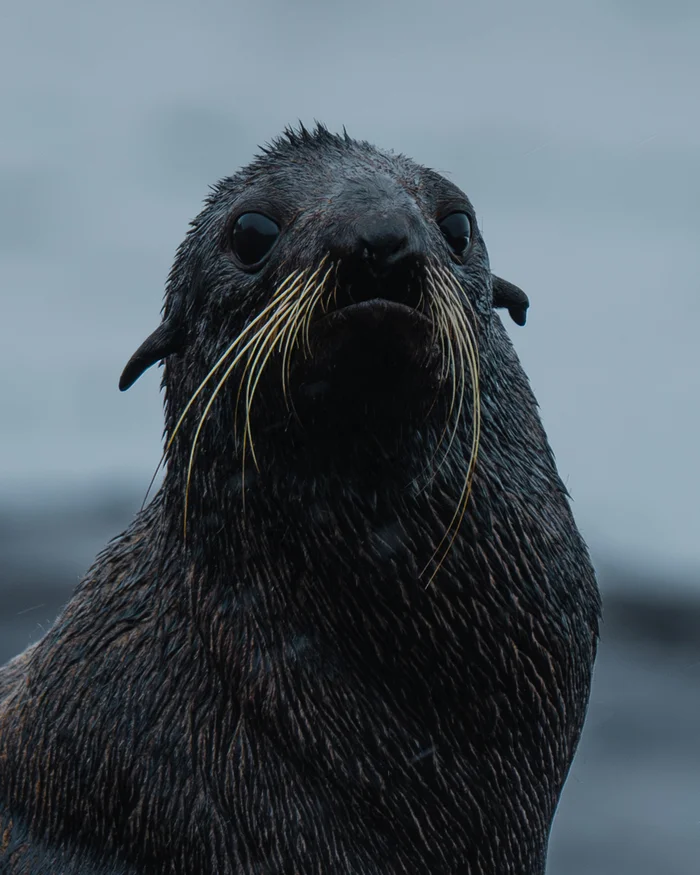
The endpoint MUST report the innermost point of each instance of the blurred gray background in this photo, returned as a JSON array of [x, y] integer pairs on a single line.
[[574, 129]]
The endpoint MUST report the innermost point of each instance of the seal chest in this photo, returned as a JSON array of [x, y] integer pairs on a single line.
[[354, 630]]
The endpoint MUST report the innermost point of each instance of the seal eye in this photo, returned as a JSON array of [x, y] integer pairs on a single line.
[[253, 237], [457, 230]]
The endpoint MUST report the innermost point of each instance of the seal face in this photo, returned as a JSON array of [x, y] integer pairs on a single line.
[[354, 630]]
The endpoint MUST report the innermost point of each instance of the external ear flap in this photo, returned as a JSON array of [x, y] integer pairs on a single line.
[[507, 295], [168, 338]]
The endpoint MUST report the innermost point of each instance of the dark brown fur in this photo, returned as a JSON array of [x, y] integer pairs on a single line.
[[281, 692]]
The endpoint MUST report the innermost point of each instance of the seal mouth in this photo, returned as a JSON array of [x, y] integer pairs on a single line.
[[359, 281], [400, 287], [373, 311], [371, 294]]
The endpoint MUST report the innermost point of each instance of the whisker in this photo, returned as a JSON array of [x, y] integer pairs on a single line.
[[449, 300], [463, 501], [251, 342], [287, 344], [286, 303], [211, 373], [304, 310], [254, 376], [265, 339], [318, 295], [266, 347], [459, 295], [448, 368], [297, 308]]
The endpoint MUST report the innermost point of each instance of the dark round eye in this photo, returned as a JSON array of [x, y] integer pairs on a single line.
[[457, 230], [253, 237]]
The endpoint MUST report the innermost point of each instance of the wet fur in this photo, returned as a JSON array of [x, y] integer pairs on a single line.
[[281, 692]]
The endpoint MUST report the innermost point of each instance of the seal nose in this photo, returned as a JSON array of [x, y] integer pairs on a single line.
[[383, 240]]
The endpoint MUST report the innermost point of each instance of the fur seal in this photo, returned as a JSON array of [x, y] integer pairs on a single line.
[[354, 630]]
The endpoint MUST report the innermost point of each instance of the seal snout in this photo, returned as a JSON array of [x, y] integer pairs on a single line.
[[383, 241], [380, 239], [379, 259]]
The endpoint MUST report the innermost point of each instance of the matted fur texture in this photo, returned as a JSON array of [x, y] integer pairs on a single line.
[[354, 630]]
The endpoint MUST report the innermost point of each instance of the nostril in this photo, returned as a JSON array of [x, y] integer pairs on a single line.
[[395, 246], [383, 248]]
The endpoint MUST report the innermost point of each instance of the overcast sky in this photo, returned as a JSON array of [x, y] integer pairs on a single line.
[[575, 131]]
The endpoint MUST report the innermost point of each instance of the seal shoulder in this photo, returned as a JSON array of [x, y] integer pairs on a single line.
[[14, 673], [63, 702]]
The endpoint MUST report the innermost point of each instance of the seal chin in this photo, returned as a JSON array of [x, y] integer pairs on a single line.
[[374, 361]]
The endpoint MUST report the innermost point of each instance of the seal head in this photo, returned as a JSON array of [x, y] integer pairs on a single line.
[[373, 264]]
